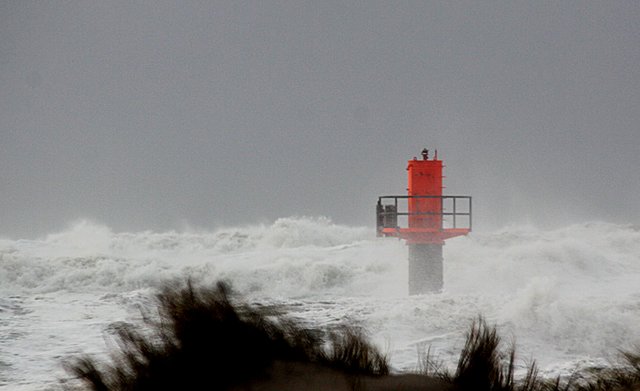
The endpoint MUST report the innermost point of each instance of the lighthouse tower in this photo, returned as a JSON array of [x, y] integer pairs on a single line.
[[425, 219]]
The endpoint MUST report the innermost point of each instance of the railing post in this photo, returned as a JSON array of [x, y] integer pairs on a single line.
[[441, 212], [470, 214], [454, 212]]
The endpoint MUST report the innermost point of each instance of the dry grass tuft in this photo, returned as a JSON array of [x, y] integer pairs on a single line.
[[202, 337]]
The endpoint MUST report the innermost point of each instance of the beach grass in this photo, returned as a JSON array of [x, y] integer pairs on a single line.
[[205, 338]]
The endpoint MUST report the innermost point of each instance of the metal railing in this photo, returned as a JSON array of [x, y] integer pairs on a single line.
[[387, 212]]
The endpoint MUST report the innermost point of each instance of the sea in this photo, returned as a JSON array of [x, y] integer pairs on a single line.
[[567, 298]]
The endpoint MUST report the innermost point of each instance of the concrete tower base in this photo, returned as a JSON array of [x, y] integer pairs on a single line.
[[425, 268]]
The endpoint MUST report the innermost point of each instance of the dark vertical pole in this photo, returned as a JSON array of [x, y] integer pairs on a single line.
[[454, 212], [425, 268], [469, 213], [379, 217]]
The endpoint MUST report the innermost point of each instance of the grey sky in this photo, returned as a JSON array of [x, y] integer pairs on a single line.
[[155, 114]]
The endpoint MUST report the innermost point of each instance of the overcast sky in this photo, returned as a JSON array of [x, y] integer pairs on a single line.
[[160, 115]]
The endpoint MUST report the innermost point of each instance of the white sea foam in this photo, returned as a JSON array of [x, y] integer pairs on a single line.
[[569, 296]]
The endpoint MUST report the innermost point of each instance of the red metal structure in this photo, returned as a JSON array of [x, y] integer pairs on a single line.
[[429, 218]]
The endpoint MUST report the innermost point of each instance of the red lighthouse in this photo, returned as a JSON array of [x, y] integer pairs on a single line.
[[428, 219]]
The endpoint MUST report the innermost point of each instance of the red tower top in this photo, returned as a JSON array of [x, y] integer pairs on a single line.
[[425, 179], [427, 210]]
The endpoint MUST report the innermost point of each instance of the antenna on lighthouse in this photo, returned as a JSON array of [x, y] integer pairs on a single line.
[[430, 218]]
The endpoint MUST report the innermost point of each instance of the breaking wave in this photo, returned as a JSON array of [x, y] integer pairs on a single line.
[[569, 296], [90, 256]]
